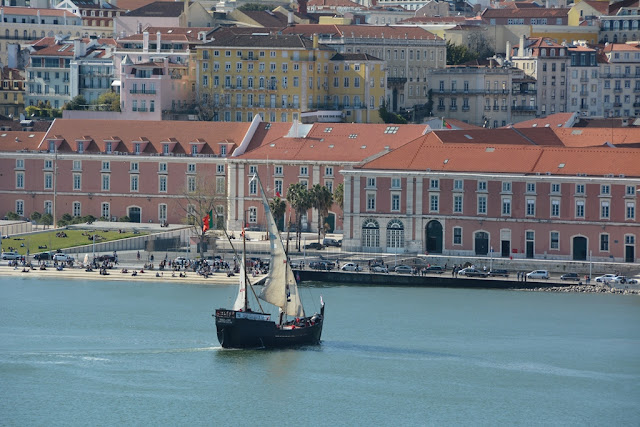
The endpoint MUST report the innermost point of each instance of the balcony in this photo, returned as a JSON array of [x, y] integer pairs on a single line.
[[441, 107], [453, 108], [504, 108], [524, 92], [143, 91], [584, 79], [465, 108], [636, 104], [617, 104], [524, 108], [396, 80], [496, 108], [584, 93]]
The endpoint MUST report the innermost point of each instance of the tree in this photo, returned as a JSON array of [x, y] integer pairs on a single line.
[[300, 200], [338, 195], [47, 219], [36, 217], [256, 7], [199, 201], [278, 208], [389, 117], [458, 54], [322, 200], [13, 216], [77, 103], [108, 101]]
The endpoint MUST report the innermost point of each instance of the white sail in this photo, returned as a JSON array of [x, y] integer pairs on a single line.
[[242, 289], [280, 287]]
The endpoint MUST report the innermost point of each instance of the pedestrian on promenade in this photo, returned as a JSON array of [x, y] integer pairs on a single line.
[[138, 255]]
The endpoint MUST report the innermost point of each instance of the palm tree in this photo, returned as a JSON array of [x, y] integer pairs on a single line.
[[278, 208], [322, 200], [299, 199]]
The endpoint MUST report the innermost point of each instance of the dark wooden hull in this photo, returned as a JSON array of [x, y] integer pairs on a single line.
[[256, 330]]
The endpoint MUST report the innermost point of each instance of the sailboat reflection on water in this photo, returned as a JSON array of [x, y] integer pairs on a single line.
[[242, 327]]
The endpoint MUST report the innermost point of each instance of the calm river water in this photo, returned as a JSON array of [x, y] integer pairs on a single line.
[[115, 353]]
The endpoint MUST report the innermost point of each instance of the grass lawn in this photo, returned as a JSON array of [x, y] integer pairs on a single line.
[[48, 241]]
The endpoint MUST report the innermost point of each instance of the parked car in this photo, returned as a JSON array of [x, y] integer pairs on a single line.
[[435, 269], [499, 273], [109, 258], [538, 274], [180, 260], [403, 269], [377, 268], [350, 266], [633, 281], [322, 265], [314, 245], [62, 257], [570, 276], [605, 278], [297, 264], [10, 255], [43, 256], [472, 272], [332, 242], [619, 280]]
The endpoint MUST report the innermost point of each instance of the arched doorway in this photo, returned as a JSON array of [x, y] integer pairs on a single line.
[[482, 242], [579, 248], [434, 237], [395, 236], [370, 234], [134, 214]]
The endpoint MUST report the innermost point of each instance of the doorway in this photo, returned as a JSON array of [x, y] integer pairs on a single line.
[[134, 214], [482, 243], [579, 248], [434, 237]]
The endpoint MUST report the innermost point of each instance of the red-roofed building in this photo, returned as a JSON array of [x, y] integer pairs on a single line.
[[465, 193]]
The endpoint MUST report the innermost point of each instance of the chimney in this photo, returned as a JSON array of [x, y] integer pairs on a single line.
[[290, 19], [38, 15], [79, 48], [158, 42], [507, 56], [302, 7], [521, 53], [145, 42]]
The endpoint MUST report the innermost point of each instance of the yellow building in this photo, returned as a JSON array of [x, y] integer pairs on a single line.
[[11, 91], [566, 33], [242, 73]]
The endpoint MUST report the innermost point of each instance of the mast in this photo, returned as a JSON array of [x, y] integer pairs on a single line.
[[244, 263]]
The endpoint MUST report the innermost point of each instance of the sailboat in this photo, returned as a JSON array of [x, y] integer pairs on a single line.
[[243, 327]]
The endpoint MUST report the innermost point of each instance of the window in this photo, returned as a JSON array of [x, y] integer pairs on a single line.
[[220, 185], [434, 184], [278, 171], [253, 187], [219, 169], [48, 164], [134, 167], [506, 187], [20, 207], [457, 235], [434, 200], [371, 201], [458, 184], [370, 234], [579, 208], [77, 181], [605, 189], [579, 188], [162, 184], [630, 190], [395, 183], [191, 184], [457, 204], [191, 168], [77, 211], [482, 204], [106, 182], [555, 188], [277, 187], [106, 166], [371, 182], [133, 180], [482, 185], [253, 214], [555, 208], [105, 211], [328, 171], [604, 209], [395, 234], [604, 243], [77, 165], [304, 171], [531, 187], [506, 206], [630, 211], [253, 170], [329, 185], [48, 181], [395, 202], [162, 212], [531, 207], [554, 240], [162, 167]]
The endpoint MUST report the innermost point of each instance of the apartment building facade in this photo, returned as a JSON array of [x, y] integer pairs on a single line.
[[12, 84], [620, 79], [583, 84]]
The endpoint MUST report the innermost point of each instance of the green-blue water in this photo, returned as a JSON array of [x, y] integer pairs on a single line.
[[116, 353]]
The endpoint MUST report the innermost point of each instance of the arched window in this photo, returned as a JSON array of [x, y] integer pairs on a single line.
[[370, 234], [395, 234], [261, 82], [356, 101]]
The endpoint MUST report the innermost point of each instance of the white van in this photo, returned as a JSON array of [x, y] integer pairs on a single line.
[[538, 274]]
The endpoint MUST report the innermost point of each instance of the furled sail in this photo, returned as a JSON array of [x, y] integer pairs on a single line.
[[242, 289], [280, 287]]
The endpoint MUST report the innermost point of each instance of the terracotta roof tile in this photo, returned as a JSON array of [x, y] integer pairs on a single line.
[[362, 31], [552, 121], [599, 137], [17, 10], [19, 140], [155, 132]]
